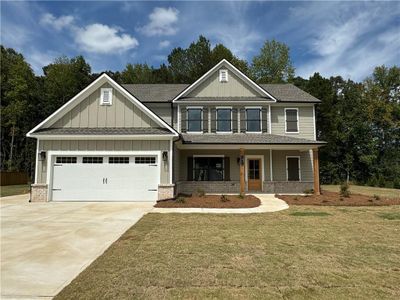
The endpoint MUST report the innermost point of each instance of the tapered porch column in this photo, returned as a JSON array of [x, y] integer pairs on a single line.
[[242, 182], [316, 172]]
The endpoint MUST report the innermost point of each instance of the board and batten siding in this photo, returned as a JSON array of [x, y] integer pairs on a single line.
[[279, 164], [306, 121], [102, 145], [90, 114], [163, 110], [212, 87]]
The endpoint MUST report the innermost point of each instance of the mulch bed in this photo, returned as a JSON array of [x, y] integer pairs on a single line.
[[334, 199], [212, 201]]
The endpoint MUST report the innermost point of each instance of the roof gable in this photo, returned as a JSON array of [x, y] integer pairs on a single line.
[[77, 110], [209, 85]]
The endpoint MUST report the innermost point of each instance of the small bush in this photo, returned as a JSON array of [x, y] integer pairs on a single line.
[[344, 190], [180, 199], [240, 196], [224, 198], [295, 198], [308, 191], [376, 197], [199, 193]]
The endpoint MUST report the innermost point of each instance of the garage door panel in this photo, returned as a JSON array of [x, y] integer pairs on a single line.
[[105, 182]]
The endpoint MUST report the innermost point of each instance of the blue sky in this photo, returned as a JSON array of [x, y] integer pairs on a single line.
[[333, 38]]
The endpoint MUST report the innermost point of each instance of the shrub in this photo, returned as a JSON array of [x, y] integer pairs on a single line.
[[308, 191], [224, 198], [180, 199], [376, 197], [344, 190], [295, 198], [240, 196], [199, 193]]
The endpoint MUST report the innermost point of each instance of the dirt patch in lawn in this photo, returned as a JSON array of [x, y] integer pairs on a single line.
[[335, 199], [211, 201]]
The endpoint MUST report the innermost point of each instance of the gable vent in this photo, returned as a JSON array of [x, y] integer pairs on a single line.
[[223, 75], [106, 96]]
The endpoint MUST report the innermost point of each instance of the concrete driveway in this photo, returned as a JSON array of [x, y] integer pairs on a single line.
[[46, 245]]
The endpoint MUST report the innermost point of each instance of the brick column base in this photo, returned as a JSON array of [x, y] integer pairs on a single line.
[[165, 191], [39, 192]]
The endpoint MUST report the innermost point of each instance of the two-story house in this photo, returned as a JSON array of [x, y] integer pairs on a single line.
[[142, 142]]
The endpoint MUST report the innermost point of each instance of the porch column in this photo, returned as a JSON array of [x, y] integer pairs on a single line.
[[316, 172], [242, 182]]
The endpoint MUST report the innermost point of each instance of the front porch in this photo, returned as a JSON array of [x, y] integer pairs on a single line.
[[253, 168]]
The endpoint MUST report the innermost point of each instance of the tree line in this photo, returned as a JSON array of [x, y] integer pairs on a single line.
[[360, 121]]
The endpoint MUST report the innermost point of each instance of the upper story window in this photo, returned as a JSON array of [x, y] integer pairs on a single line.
[[194, 119], [291, 120], [106, 96], [224, 120], [223, 75], [253, 119]]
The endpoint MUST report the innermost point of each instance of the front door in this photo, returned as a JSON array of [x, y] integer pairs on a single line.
[[254, 169]]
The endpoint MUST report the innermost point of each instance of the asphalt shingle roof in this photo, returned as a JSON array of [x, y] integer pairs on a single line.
[[167, 92], [102, 131], [243, 138]]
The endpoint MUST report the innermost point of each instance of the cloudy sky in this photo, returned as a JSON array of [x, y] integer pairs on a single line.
[[333, 38]]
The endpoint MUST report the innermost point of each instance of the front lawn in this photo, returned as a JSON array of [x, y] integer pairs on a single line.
[[300, 253], [366, 190], [10, 190]]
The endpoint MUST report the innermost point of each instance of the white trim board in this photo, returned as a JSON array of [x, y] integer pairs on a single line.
[[104, 78], [233, 69]]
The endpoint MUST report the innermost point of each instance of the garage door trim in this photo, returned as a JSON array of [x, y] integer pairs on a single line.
[[52, 154]]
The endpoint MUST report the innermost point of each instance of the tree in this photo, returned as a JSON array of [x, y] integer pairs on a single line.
[[220, 52], [63, 79], [273, 64], [17, 91], [138, 73]]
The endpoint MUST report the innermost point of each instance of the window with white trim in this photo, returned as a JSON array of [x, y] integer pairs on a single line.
[[149, 160], [224, 120], [106, 96], [292, 120], [223, 75], [253, 119], [194, 119]]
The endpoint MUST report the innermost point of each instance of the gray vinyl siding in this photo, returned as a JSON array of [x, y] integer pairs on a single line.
[[306, 121], [212, 87], [101, 145], [279, 164], [89, 113], [163, 110]]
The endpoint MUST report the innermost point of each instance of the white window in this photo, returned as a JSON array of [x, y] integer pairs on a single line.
[[224, 119], [194, 119], [223, 75], [253, 119], [291, 120], [106, 96]]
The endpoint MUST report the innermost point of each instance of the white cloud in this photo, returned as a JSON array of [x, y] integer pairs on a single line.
[[39, 59], [57, 23], [99, 38], [164, 44], [162, 21]]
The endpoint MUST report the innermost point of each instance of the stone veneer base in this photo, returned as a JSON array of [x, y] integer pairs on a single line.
[[39, 192], [166, 191]]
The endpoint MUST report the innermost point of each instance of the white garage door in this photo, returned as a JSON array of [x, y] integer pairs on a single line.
[[105, 178]]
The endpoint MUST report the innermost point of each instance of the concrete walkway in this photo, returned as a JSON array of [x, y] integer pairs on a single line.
[[46, 245], [269, 203]]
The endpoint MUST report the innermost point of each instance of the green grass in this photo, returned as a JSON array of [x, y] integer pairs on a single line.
[[351, 254], [10, 190], [390, 215], [366, 190], [310, 214]]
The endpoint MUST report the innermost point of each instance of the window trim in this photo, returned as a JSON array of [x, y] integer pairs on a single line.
[[209, 155], [216, 119], [102, 90], [287, 171], [298, 120], [261, 120], [187, 119], [221, 71]]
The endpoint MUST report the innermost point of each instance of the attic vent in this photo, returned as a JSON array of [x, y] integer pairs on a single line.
[[106, 96], [223, 75]]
